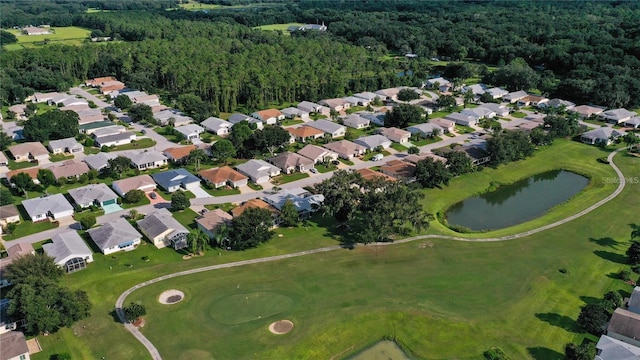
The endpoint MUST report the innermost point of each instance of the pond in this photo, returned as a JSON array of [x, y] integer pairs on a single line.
[[516, 203]]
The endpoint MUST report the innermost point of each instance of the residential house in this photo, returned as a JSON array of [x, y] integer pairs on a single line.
[[585, 111], [99, 161], [223, 176], [304, 133], [441, 84], [259, 171], [13, 343], [527, 126], [479, 112], [373, 142], [13, 252], [292, 112], [96, 82], [217, 126], [116, 235], [496, 92], [335, 104], [390, 94], [330, 128], [69, 251], [305, 27], [115, 139], [19, 109], [93, 195], [70, 170], [368, 96], [140, 182], [532, 100], [109, 130], [141, 97], [368, 174], [375, 118], [462, 119], [634, 122], [90, 128], [448, 126], [255, 203], [237, 117], [176, 179], [178, 154], [291, 162], [163, 230], [33, 30], [9, 214], [147, 160], [29, 151], [497, 109], [314, 108], [617, 116], [414, 158], [356, 101], [32, 172], [4, 161], [634, 300], [86, 115], [398, 169], [16, 132], [68, 145], [396, 135], [317, 154], [107, 84], [172, 116], [53, 206], [476, 89], [67, 100], [515, 96], [601, 136], [210, 221], [355, 121], [425, 129], [46, 97], [557, 103], [625, 326], [190, 132], [609, 348], [269, 116], [305, 202], [346, 149]]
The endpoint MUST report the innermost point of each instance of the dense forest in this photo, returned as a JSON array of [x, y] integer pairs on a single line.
[[588, 52]]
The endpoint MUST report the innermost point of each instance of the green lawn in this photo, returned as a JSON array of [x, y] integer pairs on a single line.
[[221, 191], [70, 35], [27, 227], [60, 157], [427, 141], [186, 217], [398, 147], [427, 294], [461, 129], [254, 186], [287, 122], [345, 161], [371, 154], [144, 201], [322, 168], [280, 27], [21, 165], [283, 179], [136, 144]]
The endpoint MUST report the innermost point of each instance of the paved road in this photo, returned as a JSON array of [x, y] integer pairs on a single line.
[[155, 354]]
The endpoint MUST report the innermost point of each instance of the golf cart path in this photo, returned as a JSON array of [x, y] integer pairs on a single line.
[[155, 354]]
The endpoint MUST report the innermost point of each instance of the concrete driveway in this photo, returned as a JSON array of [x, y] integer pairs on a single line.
[[199, 192]]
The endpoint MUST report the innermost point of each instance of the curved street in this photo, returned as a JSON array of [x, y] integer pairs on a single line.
[[155, 354]]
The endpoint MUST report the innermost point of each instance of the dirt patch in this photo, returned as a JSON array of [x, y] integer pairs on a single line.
[[171, 297], [281, 327], [139, 322]]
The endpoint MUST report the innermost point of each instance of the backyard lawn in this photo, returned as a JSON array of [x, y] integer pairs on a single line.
[[428, 294], [136, 144], [70, 35]]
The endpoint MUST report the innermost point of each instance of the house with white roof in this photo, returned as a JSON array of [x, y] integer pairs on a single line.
[[462, 119], [498, 109], [617, 116], [217, 126], [291, 162], [69, 251], [114, 236], [601, 136], [311, 107], [634, 122], [345, 149], [515, 96], [237, 117], [93, 195], [369, 96], [55, 206], [479, 112], [609, 348], [336, 104], [372, 142], [68, 145], [177, 118], [292, 112], [356, 101], [439, 83], [259, 171], [147, 160], [557, 103], [330, 128], [163, 230], [191, 132], [140, 182], [114, 139], [317, 154], [389, 94], [376, 117], [396, 135], [305, 202], [496, 92], [476, 89], [425, 129], [356, 121], [108, 130], [98, 161]]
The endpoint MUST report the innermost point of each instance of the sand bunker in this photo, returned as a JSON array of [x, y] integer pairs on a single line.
[[281, 327], [171, 297]]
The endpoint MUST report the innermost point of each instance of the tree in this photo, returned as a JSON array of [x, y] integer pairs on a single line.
[[468, 97], [193, 106], [408, 95], [584, 351], [612, 300], [509, 146], [539, 137], [198, 156], [634, 253], [334, 114], [289, 214], [401, 115], [414, 150], [593, 318], [240, 132], [221, 235], [197, 241], [562, 126], [517, 75], [122, 102], [117, 166], [93, 174], [630, 139], [30, 268], [268, 139], [487, 98], [133, 214], [446, 101], [134, 311], [495, 353], [134, 196], [250, 229], [5, 141], [222, 150], [340, 196], [431, 173], [458, 163], [23, 182], [179, 201], [52, 125], [88, 221], [140, 112], [46, 178], [6, 197]]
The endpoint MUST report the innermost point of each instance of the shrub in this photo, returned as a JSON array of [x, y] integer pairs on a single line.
[[625, 275], [603, 160]]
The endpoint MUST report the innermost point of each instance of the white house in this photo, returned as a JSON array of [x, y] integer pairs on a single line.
[[355, 121], [69, 251], [55, 206], [176, 179], [330, 128], [317, 154], [372, 142], [163, 230], [346, 149], [617, 116], [396, 135], [259, 171], [190, 132], [269, 116], [114, 236], [148, 160], [462, 119], [498, 109], [93, 194], [425, 129], [140, 182], [217, 126], [336, 104], [115, 139], [479, 112], [515, 96], [602, 135], [68, 145], [496, 92]]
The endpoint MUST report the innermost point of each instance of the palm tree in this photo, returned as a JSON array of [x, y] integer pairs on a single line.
[[630, 139], [221, 235]]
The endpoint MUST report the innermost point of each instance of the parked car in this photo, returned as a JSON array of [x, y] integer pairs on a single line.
[[313, 170], [335, 162], [143, 131], [153, 195]]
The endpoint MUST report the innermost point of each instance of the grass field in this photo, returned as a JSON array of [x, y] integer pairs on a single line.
[[70, 35], [439, 298], [278, 27]]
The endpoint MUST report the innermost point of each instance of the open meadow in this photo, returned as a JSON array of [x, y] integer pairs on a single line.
[[70, 35], [438, 298]]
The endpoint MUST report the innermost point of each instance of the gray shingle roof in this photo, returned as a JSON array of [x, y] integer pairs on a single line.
[[159, 222], [326, 126], [99, 160], [53, 203], [66, 244], [90, 193], [113, 233], [614, 349]]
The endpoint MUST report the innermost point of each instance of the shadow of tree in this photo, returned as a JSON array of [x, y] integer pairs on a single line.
[[613, 276], [606, 242], [590, 299], [114, 316], [561, 321], [611, 256], [542, 353]]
